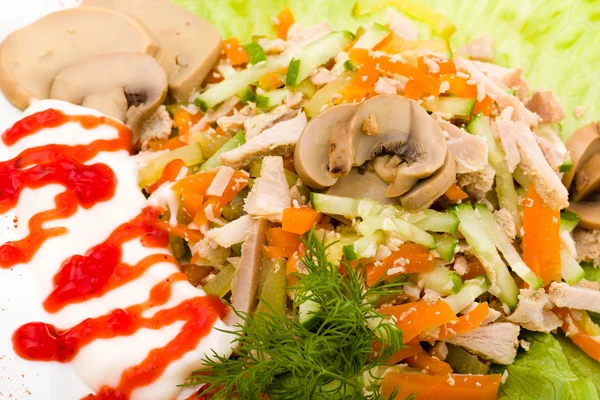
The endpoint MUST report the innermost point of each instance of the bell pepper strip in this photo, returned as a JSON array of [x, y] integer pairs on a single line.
[[436, 387], [426, 363], [455, 194], [414, 318], [169, 174], [413, 90], [182, 120], [270, 81], [391, 65], [412, 8], [274, 252], [541, 237], [583, 340], [299, 220], [408, 259], [410, 349], [281, 238], [283, 22], [468, 322], [235, 53]]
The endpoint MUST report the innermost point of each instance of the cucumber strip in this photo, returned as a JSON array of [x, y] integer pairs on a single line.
[[503, 284], [214, 161], [308, 314], [220, 284], [445, 246], [568, 220], [570, 269], [238, 82], [372, 37], [324, 96], [450, 105], [247, 95], [271, 99], [306, 87], [364, 247], [567, 165], [190, 155], [463, 362], [520, 177], [272, 291], [442, 280], [503, 244], [405, 229], [255, 52], [336, 205], [431, 220], [470, 290], [505, 186], [316, 54]]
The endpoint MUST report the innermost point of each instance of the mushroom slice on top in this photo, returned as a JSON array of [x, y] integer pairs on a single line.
[[359, 185], [127, 86], [189, 45], [32, 56], [403, 128], [427, 191], [311, 156], [588, 212], [582, 145], [587, 179]]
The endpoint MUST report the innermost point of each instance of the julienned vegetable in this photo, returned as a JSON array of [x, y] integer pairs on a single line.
[[280, 355], [505, 187], [316, 54], [190, 155], [470, 290], [214, 161], [503, 284]]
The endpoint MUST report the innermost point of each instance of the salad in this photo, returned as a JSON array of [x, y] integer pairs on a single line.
[[387, 216]]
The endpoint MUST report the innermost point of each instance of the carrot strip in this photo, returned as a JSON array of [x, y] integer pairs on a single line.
[[299, 220], [278, 252], [281, 238], [458, 86], [290, 270], [484, 106], [414, 318], [541, 240], [270, 81], [454, 194], [393, 66], [584, 341], [472, 320], [411, 348], [166, 144], [431, 365], [408, 259], [361, 84], [436, 387], [235, 52], [283, 23], [444, 65], [182, 121]]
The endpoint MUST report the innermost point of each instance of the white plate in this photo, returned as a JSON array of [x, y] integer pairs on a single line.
[[19, 300]]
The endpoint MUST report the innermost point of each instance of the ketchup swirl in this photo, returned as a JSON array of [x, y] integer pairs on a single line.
[[100, 269]]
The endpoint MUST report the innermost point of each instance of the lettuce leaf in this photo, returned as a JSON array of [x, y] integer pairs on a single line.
[[552, 369], [553, 41]]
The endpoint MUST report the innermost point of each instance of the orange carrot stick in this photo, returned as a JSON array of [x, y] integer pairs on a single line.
[[409, 258], [424, 362], [299, 220], [414, 318]]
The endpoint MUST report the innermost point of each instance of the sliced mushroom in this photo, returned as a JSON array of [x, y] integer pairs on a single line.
[[582, 145], [311, 156], [189, 45], [31, 57], [386, 167], [587, 179], [404, 128], [359, 185], [127, 86], [244, 285], [588, 212], [427, 191]]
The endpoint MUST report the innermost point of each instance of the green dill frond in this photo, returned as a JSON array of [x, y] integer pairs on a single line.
[[339, 358]]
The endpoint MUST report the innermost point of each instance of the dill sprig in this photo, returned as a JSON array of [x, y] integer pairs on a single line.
[[335, 359]]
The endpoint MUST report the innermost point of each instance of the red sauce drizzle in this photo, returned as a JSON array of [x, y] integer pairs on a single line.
[[100, 270]]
